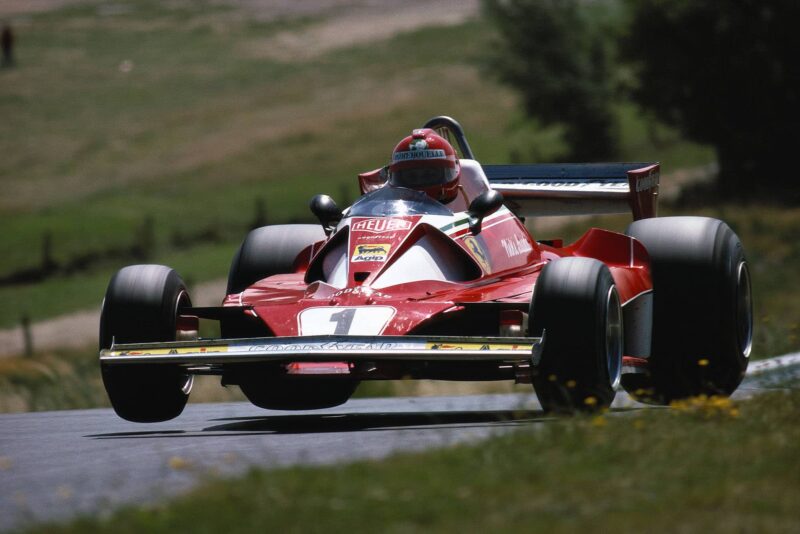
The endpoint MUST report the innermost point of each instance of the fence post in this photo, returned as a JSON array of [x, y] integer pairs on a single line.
[[48, 265], [27, 337]]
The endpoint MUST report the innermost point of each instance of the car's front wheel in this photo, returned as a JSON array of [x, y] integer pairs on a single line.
[[141, 305], [575, 306]]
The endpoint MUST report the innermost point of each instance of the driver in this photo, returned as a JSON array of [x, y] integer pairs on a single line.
[[425, 161]]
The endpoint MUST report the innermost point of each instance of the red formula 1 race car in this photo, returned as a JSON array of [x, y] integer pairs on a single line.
[[432, 274]]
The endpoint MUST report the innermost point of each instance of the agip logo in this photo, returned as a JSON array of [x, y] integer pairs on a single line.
[[371, 252]]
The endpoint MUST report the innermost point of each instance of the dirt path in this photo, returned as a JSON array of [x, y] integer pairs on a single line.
[[365, 23]]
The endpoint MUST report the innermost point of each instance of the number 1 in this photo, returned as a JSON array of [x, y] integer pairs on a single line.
[[343, 320]]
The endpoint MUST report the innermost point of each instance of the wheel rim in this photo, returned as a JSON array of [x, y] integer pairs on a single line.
[[744, 310], [613, 337], [183, 301]]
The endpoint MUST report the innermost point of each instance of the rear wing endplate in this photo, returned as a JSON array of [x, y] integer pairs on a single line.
[[577, 188]]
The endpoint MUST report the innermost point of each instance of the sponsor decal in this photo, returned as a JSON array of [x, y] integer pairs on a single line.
[[361, 290], [168, 352], [376, 237], [478, 253], [477, 346], [371, 252], [381, 225], [419, 154], [326, 346], [515, 246], [576, 185], [418, 144], [648, 182]]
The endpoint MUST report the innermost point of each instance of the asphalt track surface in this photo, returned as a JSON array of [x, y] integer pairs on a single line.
[[56, 465]]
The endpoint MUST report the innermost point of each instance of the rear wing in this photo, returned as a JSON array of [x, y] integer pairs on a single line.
[[577, 188], [561, 188]]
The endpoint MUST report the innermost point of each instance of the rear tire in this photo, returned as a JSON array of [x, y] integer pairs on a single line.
[[297, 393], [141, 306], [270, 250], [267, 251], [576, 305], [702, 309]]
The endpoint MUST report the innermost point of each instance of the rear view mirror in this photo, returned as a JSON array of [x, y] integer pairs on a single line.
[[484, 204], [326, 211]]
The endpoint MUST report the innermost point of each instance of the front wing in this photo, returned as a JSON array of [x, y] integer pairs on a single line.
[[206, 355]]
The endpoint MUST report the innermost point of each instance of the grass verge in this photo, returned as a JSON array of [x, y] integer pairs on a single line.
[[70, 380], [705, 466]]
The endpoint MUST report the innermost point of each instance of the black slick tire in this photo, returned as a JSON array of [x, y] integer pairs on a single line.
[[297, 392], [702, 309], [141, 306], [270, 250], [576, 306]]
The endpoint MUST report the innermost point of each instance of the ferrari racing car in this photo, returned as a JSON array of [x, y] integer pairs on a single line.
[[432, 274]]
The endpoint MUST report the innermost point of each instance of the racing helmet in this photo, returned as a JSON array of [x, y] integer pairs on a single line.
[[425, 161]]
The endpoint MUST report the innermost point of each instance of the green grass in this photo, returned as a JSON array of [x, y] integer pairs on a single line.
[[70, 380], [201, 126], [63, 380], [709, 466], [66, 294]]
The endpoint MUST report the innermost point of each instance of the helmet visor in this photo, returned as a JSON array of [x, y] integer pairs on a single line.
[[417, 177]]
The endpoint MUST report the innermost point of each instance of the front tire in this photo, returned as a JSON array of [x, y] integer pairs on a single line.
[[141, 305], [576, 307], [702, 309]]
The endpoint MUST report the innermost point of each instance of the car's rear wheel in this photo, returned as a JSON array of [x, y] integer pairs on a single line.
[[267, 251], [702, 309], [270, 250], [576, 307], [297, 392], [141, 305]]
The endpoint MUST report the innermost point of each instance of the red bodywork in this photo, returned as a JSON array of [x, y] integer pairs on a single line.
[[503, 258], [504, 280]]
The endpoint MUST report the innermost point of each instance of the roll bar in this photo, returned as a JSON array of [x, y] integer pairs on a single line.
[[450, 127]]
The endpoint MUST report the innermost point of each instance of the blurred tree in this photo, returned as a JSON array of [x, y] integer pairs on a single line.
[[727, 74], [558, 58]]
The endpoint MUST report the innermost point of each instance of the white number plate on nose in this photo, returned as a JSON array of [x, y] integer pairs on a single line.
[[345, 320]]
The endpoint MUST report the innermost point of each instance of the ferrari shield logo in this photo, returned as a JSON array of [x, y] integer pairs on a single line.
[[478, 253]]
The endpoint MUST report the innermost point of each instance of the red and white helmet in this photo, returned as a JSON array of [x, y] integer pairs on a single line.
[[425, 161]]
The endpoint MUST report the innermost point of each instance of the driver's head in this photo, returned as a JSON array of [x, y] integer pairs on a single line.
[[425, 161]]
